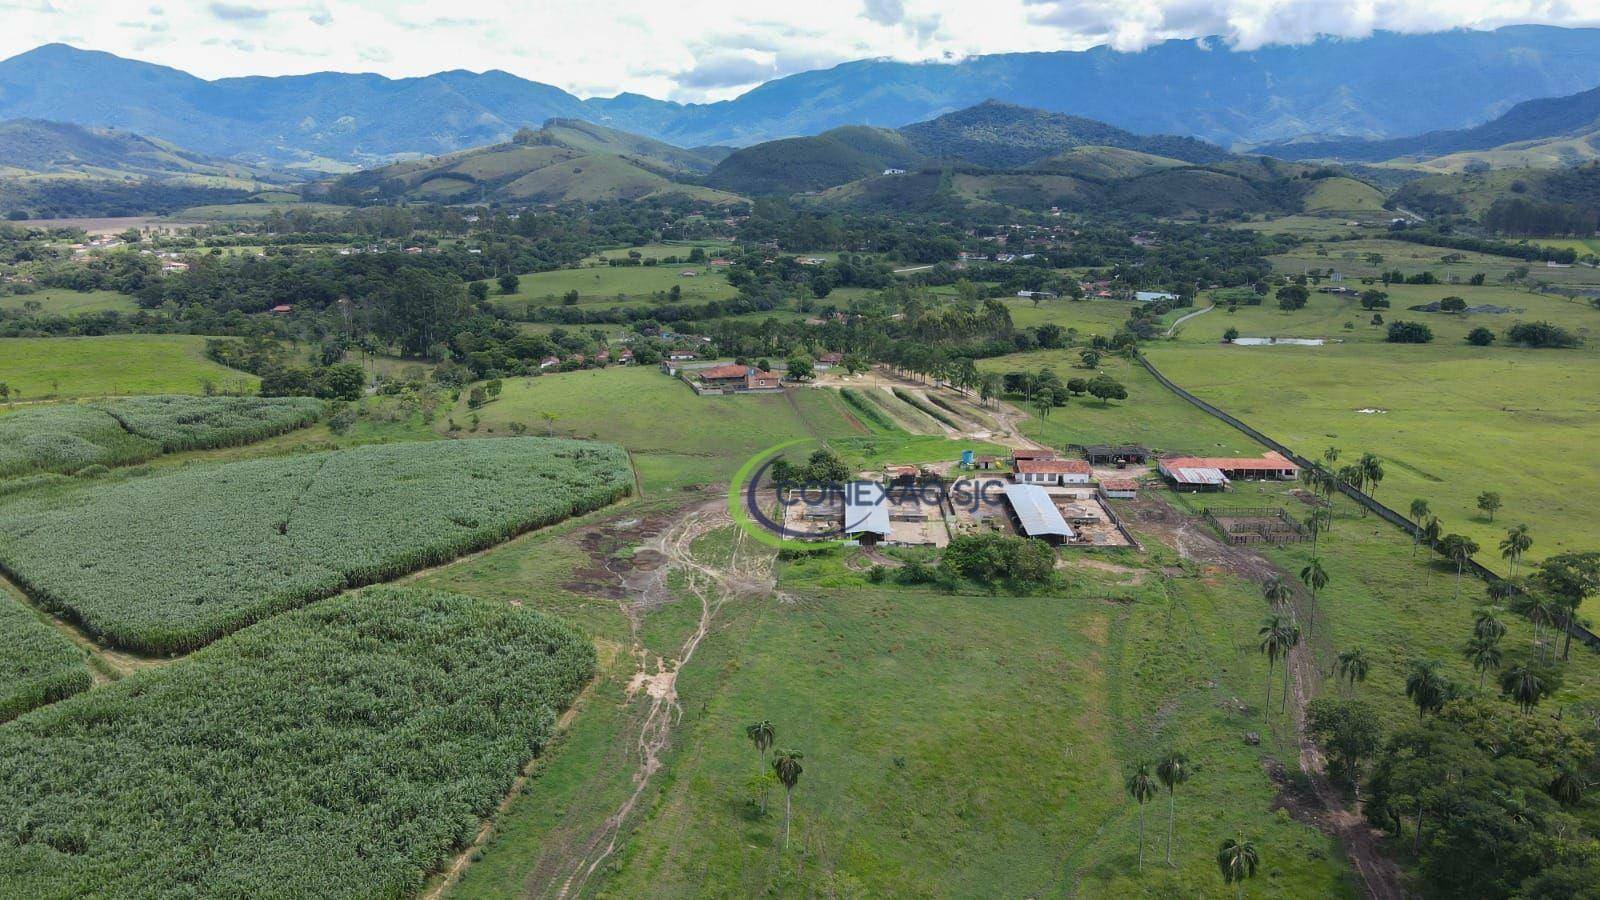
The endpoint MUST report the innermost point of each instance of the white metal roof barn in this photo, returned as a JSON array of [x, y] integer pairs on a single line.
[[1037, 513], [865, 509]]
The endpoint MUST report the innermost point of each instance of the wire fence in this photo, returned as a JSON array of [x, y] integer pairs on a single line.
[[1412, 529]]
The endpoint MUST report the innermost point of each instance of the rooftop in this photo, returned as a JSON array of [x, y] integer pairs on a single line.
[[1036, 511], [1053, 467]]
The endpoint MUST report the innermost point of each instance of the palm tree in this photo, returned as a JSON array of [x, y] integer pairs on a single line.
[[1419, 511], [1371, 472], [1484, 654], [1353, 666], [1517, 542], [1173, 770], [1460, 550], [1426, 687], [1238, 861], [549, 421], [1315, 577], [786, 763], [1431, 530], [1523, 686], [1567, 787], [1330, 456], [1319, 521], [1278, 637], [1141, 787], [1276, 591], [1486, 623], [761, 734], [1541, 611]]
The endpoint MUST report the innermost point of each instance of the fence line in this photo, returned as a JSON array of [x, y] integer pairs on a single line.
[[1411, 528]]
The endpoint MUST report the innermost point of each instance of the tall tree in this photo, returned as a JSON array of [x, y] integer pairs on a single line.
[[761, 734], [1141, 787], [786, 764], [1237, 859], [1516, 543], [1523, 686], [1484, 654], [1276, 591], [1353, 666], [1570, 578], [1419, 512], [1278, 637], [1427, 687], [1173, 770], [1490, 503], [1371, 473], [1314, 577]]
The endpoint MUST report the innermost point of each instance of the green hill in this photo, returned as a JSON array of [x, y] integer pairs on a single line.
[[1005, 136], [1517, 201], [564, 160], [991, 135], [32, 148], [795, 165]]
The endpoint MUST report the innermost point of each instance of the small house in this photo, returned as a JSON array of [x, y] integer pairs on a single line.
[[1052, 471], [1120, 488]]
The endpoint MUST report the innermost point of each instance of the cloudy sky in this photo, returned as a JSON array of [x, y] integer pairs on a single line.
[[692, 49]]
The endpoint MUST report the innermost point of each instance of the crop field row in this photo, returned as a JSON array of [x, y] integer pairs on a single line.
[[345, 750], [69, 437], [166, 564], [38, 665]]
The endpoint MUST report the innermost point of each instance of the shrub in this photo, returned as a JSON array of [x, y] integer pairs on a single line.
[[345, 750], [991, 559], [1542, 335], [1480, 337], [169, 563], [1409, 333], [926, 407]]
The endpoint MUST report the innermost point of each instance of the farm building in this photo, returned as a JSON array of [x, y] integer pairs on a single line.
[[1214, 472], [1120, 488], [734, 377], [1152, 296], [866, 515], [1035, 514], [1052, 471], [1020, 455], [1109, 455]]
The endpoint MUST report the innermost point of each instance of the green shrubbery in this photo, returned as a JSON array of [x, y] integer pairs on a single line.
[[925, 406], [345, 750], [866, 408], [167, 564]]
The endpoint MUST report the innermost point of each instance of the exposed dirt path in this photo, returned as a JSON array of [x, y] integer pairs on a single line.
[[1194, 542], [1173, 329], [746, 573]]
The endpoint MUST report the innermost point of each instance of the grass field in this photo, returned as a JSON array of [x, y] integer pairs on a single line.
[[676, 437], [44, 368], [235, 212], [1459, 420], [1326, 315], [63, 302], [1350, 258], [608, 286], [661, 251]]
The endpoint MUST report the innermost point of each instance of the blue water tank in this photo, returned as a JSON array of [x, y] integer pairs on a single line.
[[966, 458]]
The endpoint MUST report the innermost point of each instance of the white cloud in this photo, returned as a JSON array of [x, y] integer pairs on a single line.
[[697, 49]]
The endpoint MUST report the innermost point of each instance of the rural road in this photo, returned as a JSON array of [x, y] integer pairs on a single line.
[[1186, 317]]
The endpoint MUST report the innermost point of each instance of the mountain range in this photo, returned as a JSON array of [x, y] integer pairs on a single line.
[[1545, 132], [1382, 86]]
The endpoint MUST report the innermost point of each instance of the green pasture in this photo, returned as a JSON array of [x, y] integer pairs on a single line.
[[1350, 257], [1327, 315], [615, 286], [42, 368], [1457, 421], [677, 437], [64, 302]]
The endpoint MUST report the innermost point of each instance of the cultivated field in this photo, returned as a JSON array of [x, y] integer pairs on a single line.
[[70, 437], [165, 564], [609, 286], [44, 368], [340, 751], [38, 664]]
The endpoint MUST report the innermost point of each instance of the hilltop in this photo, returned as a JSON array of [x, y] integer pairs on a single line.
[[991, 135], [564, 160]]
